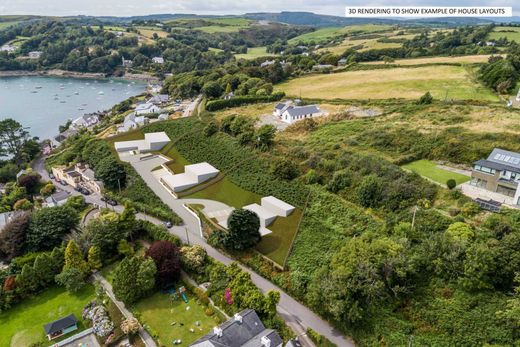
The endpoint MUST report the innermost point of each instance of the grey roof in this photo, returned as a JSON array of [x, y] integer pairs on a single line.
[[280, 106], [502, 156], [60, 196], [247, 333], [60, 324], [303, 110], [293, 343], [496, 166]]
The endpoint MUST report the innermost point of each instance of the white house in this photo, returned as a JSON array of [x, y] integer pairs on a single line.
[[269, 209], [158, 60], [35, 54], [296, 113], [193, 175], [152, 142], [267, 63], [126, 63], [132, 121], [164, 116], [147, 108], [85, 121], [322, 67], [159, 99], [8, 48], [57, 199]]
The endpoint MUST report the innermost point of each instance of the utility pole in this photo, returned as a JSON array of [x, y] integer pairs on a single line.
[[187, 236], [413, 218], [119, 185]]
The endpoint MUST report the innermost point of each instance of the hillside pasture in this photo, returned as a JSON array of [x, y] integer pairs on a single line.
[[331, 32], [510, 33], [451, 82], [465, 59], [254, 52]]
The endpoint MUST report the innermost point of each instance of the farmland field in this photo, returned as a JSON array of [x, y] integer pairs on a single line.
[[149, 31], [328, 33], [465, 59], [23, 324], [430, 170], [453, 82], [253, 53], [4, 25], [511, 33]]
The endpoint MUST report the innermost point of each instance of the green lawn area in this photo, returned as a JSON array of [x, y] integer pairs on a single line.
[[227, 192], [158, 312], [23, 324], [511, 33], [4, 25], [331, 32], [430, 170], [178, 163], [254, 52]]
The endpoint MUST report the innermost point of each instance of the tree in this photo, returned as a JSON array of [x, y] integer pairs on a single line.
[[264, 136], [130, 326], [48, 189], [340, 180], [23, 205], [193, 258], [285, 169], [105, 232], [49, 225], [94, 258], [72, 279], [133, 278], [460, 232], [451, 183], [166, 257], [125, 248], [12, 236], [426, 99], [44, 270], [12, 137], [74, 258], [111, 173], [243, 230], [77, 202], [29, 182], [369, 191], [212, 89], [27, 279]]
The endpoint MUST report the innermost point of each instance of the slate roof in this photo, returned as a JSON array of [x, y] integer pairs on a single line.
[[60, 196], [280, 106], [496, 166], [502, 156], [60, 324], [303, 110], [247, 333]]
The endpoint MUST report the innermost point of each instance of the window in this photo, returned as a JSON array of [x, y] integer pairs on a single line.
[[485, 169]]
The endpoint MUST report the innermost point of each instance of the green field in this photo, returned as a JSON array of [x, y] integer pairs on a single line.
[[4, 25], [158, 313], [254, 52], [23, 324], [328, 33], [430, 170], [451, 82], [511, 33]]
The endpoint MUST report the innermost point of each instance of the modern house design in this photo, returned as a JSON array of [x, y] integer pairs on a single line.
[[61, 327], [78, 176], [193, 175], [269, 208], [288, 112], [499, 173], [245, 329], [151, 142]]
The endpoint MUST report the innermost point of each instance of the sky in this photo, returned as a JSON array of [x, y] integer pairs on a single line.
[[143, 7]]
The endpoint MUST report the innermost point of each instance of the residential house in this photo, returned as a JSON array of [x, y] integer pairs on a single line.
[[342, 61], [305, 54], [61, 327], [193, 175], [164, 116], [132, 122], [2, 188], [491, 43], [499, 173], [245, 329], [229, 95], [147, 108], [159, 99], [35, 54], [6, 217], [267, 63], [126, 63], [57, 199], [288, 112], [151, 142], [20, 174], [78, 176], [158, 60], [119, 33], [65, 135], [154, 88], [269, 209], [8, 48], [85, 121]]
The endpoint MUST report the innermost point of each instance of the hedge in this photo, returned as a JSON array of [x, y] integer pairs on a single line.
[[220, 104]]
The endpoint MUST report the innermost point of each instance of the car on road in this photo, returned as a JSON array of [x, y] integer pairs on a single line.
[[51, 176], [109, 201], [84, 191], [168, 224], [63, 183]]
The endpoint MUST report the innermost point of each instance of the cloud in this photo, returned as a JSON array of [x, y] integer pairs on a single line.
[[140, 7]]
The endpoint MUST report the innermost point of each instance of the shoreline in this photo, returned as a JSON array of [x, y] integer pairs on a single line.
[[74, 74]]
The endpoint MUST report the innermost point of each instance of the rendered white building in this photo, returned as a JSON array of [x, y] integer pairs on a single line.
[[193, 175], [288, 112], [147, 108], [151, 142], [158, 60], [269, 210]]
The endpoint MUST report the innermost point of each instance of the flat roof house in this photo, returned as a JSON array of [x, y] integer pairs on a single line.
[[269, 209], [152, 142], [245, 329], [193, 175], [499, 173], [61, 327]]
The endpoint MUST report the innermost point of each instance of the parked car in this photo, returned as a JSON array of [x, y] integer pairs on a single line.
[[63, 183], [51, 176], [84, 191], [168, 224], [78, 189], [112, 202]]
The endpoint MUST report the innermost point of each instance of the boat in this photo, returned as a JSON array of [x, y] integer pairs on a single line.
[[80, 109], [101, 93], [63, 101], [76, 93], [83, 104], [34, 91], [56, 98], [38, 87]]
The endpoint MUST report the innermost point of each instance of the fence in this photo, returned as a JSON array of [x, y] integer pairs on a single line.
[[73, 338]]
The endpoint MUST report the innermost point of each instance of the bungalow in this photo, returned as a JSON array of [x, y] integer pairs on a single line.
[[229, 95], [342, 61], [267, 63], [78, 176], [35, 54], [85, 121], [61, 327], [57, 199], [147, 108], [159, 99], [158, 60], [289, 113], [499, 173], [244, 329]]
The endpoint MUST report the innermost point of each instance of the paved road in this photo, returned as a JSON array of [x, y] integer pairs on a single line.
[[297, 316], [147, 339], [189, 109]]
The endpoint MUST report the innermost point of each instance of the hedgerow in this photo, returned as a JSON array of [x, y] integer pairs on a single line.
[[220, 104]]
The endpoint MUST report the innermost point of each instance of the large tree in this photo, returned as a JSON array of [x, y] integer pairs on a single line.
[[243, 230], [111, 173], [13, 137], [133, 278], [49, 225], [167, 260], [12, 237], [105, 232]]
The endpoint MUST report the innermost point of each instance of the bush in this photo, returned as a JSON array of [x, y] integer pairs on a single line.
[[201, 295], [451, 183], [426, 99], [220, 104], [209, 312]]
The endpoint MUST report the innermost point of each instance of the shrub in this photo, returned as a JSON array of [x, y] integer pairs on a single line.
[[451, 183], [426, 99], [209, 312], [220, 104]]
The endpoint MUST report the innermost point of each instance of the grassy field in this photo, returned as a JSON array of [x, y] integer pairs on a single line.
[[465, 59], [408, 83], [158, 313], [149, 31], [366, 44], [254, 52], [331, 32], [511, 33], [23, 324], [4, 25], [430, 170], [227, 192]]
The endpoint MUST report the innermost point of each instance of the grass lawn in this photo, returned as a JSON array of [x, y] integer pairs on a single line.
[[149, 31], [465, 59], [158, 312], [23, 324], [328, 33], [4, 25], [430, 170], [254, 52], [408, 83], [108, 271], [511, 33], [177, 166]]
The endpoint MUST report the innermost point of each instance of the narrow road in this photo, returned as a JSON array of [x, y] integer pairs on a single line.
[[147, 339], [189, 109]]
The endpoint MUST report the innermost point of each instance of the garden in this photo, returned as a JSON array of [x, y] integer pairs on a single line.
[[433, 172]]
